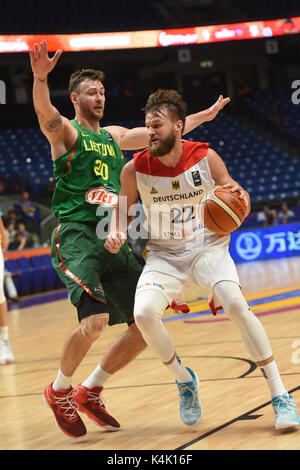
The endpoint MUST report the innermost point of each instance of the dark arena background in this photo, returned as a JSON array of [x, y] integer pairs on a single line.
[[246, 50]]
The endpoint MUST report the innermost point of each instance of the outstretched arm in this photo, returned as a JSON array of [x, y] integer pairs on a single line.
[[137, 138], [57, 129], [195, 120]]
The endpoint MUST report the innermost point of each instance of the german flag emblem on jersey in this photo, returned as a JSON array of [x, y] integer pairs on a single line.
[[175, 184]]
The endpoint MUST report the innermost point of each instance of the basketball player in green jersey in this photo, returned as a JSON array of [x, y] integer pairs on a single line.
[[87, 164]]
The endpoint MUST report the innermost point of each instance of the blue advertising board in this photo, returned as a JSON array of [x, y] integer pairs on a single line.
[[265, 243]]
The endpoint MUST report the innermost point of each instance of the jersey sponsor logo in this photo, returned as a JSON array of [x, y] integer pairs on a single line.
[[101, 196], [175, 184], [153, 190], [99, 290], [150, 284], [196, 178]]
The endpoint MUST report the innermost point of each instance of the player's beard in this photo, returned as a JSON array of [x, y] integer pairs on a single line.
[[90, 113], [96, 115], [163, 147]]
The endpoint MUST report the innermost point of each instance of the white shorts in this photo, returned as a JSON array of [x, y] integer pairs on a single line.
[[172, 274]]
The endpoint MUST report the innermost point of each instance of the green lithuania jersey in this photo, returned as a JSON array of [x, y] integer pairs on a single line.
[[87, 177]]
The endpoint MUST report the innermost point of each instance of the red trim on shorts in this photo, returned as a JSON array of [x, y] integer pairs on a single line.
[[57, 243], [69, 273], [192, 153], [213, 308], [181, 308]]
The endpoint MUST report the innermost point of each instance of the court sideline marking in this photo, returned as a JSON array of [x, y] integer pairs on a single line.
[[244, 416]]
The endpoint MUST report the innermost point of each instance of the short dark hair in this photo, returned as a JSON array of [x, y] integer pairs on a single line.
[[170, 99], [81, 75]]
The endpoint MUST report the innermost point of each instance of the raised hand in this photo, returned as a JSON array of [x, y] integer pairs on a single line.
[[215, 108], [41, 63]]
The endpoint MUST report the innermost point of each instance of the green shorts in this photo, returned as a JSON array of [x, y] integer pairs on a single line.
[[83, 264]]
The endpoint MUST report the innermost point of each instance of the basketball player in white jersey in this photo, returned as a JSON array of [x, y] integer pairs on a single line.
[[6, 356], [171, 177]]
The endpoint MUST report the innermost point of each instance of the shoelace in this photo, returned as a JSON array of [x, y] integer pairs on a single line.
[[97, 398], [284, 404], [185, 388], [70, 408]]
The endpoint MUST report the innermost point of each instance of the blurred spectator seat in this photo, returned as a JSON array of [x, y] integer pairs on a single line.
[[35, 271]]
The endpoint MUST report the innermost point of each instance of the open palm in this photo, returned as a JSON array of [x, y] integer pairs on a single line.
[[41, 63], [215, 108]]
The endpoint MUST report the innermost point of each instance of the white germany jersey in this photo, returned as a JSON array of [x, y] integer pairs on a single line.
[[171, 199]]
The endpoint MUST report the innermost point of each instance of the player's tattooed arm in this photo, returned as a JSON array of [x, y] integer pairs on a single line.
[[54, 124]]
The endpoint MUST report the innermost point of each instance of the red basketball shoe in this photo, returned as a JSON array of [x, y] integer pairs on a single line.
[[90, 402], [65, 412]]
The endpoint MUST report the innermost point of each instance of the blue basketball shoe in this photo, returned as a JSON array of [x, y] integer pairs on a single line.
[[286, 414], [190, 408]]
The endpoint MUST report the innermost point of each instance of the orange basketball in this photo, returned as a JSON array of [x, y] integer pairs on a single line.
[[223, 211]]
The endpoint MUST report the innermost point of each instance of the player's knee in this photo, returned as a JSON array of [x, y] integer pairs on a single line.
[[149, 308], [144, 316], [232, 299], [92, 326], [238, 310]]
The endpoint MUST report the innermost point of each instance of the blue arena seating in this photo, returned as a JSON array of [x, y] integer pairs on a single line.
[[34, 274], [261, 103], [52, 281], [26, 277], [264, 169], [12, 266], [39, 274]]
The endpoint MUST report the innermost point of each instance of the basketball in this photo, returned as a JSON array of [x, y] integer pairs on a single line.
[[223, 211]]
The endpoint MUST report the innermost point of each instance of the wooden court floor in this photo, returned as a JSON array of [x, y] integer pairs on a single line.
[[142, 396]]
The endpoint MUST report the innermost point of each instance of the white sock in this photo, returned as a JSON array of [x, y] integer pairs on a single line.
[[62, 382], [4, 333], [271, 374], [180, 372], [97, 378]]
